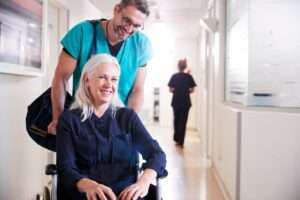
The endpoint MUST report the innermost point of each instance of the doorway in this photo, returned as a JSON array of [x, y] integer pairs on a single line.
[[57, 25], [207, 89]]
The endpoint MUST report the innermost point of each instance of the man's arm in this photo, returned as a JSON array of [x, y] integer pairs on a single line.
[[65, 68], [136, 98]]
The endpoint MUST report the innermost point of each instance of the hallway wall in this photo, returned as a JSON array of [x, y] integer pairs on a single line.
[[269, 155], [22, 161], [226, 149], [255, 157], [80, 10]]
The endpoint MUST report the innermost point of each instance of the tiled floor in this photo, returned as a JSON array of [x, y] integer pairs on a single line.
[[189, 177]]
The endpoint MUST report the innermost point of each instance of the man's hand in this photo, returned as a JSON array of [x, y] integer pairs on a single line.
[[52, 127]]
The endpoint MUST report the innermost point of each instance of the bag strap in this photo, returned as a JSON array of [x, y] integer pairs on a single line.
[[94, 23]]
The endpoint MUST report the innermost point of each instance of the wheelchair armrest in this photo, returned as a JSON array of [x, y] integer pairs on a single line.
[[51, 169]]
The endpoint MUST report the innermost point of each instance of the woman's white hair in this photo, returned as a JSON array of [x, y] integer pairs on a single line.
[[83, 97]]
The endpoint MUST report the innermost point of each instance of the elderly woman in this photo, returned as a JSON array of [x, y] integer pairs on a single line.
[[98, 143]]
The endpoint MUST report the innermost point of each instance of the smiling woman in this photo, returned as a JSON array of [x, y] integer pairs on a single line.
[[103, 83], [98, 143], [98, 85]]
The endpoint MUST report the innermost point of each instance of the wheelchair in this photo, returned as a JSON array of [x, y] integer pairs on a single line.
[[49, 192]]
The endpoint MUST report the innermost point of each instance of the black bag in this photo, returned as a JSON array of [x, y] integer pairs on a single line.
[[39, 115]]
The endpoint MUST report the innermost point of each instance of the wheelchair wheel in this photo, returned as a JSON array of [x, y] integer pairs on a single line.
[[152, 193], [38, 197], [46, 193]]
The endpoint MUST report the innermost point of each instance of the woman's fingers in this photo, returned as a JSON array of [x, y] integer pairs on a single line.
[[91, 196], [132, 192], [101, 192], [109, 193], [123, 195], [137, 194]]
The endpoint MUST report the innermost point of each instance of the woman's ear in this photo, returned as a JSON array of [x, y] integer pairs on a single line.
[[86, 80]]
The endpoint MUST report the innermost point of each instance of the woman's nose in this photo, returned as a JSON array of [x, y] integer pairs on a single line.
[[108, 83]]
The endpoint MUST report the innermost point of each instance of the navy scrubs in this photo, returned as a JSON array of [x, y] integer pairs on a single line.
[[181, 83]]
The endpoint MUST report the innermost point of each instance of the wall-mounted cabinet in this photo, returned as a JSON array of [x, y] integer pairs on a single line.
[[262, 53]]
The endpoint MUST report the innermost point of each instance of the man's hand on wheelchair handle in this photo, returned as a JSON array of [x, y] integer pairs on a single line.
[[52, 127]]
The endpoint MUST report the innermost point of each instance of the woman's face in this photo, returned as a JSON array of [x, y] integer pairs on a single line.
[[102, 84]]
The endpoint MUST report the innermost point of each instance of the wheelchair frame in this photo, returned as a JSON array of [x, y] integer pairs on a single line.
[[50, 190]]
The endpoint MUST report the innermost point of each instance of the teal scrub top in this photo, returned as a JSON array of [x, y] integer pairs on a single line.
[[135, 52]]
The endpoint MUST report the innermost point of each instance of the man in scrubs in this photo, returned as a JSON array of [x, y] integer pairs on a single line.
[[119, 36]]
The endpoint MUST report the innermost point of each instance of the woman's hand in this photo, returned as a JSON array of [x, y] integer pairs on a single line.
[[94, 190], [134, 191], [140, 188]]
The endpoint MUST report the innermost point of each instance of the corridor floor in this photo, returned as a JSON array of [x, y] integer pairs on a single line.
[[189, 177]]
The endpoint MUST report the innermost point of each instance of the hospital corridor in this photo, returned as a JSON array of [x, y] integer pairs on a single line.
[[234, 65], [189, 176]]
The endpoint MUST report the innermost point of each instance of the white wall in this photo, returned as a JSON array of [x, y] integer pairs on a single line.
[[80, 10], [260, 160], [22, 161], [159, 70], [270, 155], [226, 150]]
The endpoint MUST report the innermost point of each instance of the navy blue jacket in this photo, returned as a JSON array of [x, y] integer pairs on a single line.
[[103, 149]]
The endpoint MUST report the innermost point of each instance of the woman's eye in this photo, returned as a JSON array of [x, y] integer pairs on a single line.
[[114, 79], [102, 77]]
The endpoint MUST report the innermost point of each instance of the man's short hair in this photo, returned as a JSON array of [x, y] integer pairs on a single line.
[[141, 5]]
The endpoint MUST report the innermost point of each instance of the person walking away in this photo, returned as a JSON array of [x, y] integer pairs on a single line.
[[181, 85]]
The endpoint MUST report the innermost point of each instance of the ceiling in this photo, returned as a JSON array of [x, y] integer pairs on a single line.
[[180, 16], [165, 10]]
